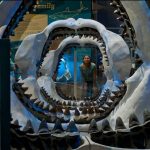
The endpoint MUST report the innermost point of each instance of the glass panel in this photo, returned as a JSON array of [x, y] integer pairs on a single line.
[[74, 79]]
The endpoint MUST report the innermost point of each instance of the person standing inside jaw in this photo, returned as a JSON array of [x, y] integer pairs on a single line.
[[88, 72]]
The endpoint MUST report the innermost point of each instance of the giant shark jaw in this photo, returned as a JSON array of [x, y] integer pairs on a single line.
[[135, 99], [38, 93]]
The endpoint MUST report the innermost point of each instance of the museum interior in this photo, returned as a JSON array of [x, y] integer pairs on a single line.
[[75, 74]]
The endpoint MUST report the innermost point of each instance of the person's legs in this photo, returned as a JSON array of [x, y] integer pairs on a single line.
[[89, 89]]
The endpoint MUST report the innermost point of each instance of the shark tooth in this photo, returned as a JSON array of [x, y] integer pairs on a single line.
[[24, 88], [69, 103], [117, 11], [57, 127], [74, 104], [59, 109], [37, 102], [120, 18], [123, 25], [80, 108], [133, 120], [86, 104], [94, 38], [112, 98], [100, 43], [72, 127], [67, 111], [84, 111], [80, 36], [33, 100], [124, 15], [119, 87], [16, 123], [89, 36], [103, 49], [105, 106], [70, 97], [109, 102], [115, 92], [52, 109], [77, 113], [46, 107], [28, 95], [20, 83], [64, 103], [97, 111], [85, 35], [43, 127], [72, 35], [106, 126], [90, 110], [105, 56], [81, 104], [101, 110], [94, 103], [28, 127], [93, 126], [126, 34], [41, 104], [119, 124]]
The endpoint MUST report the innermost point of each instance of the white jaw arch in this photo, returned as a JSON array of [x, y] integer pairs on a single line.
[[31, 48], [50, 62]]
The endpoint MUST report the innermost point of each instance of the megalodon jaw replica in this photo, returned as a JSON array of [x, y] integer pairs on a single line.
[[117, 110], [40, 90], [38, 59]]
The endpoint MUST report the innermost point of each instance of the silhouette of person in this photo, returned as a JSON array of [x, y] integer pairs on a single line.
[[88, 72]]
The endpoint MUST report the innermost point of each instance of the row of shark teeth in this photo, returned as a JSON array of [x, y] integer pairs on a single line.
[[43, 127], [88, 101], [99, 111], [65, 32], [62, 103], [103, 98], [45, 138], [137, 134], [110, 99], [86, 114], [85, 108], [134, 124], [59, 33], [65, 35], [128, 32], [52, 36], [52, 112], [18, 16], [73, 98], [56, 108], [36, 101], [101, 44], [46, 96], [39, 109]]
